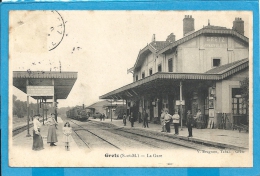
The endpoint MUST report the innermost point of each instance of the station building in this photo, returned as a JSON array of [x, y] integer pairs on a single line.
[[111, 109], [202, 70]]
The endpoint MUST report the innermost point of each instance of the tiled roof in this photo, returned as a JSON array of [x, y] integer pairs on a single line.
[[98, 104], [205, 30], [214, 27], [163, 46], [158, 45], [226, 67]]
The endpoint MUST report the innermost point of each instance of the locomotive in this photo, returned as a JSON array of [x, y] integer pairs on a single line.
[[78, 113]]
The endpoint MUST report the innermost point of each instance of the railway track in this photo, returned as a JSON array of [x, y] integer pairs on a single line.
[[21, 129], [81, 139], [161, 138], [84, 129]]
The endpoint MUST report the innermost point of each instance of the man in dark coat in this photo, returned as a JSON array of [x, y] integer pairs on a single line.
[[103, 117], [124, 119], [190, 123], [145, 115], [131, 118], [139, 117]]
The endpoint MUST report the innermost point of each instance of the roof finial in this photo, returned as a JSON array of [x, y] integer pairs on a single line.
[[208, 22]]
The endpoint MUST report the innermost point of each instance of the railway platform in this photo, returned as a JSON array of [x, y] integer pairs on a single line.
[[22, 146], [216, 137]]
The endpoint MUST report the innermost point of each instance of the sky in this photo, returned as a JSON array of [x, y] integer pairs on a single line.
[[99, 45]]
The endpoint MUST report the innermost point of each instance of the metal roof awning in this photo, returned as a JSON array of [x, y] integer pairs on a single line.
[[155, 82], [63, 81], [160, 81]]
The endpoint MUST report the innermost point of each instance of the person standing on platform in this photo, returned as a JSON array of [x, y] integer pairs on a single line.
[[176, 121], [52, 136], [103, 117], [124, 119], [197, 117], [139, 117], [189, 123], [162, 121], [131, 117], [37, 138], [167, 121], [67, 135], [145, 119]]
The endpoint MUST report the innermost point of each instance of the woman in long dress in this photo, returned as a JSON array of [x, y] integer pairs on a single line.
[[37, 138], [52, 136]]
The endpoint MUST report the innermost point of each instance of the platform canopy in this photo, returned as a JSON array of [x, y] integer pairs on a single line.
[[60, 82]]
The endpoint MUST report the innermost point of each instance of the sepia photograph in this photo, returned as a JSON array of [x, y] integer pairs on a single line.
[[130, 88]]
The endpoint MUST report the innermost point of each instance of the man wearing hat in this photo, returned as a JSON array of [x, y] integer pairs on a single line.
[[176, 121], [189, 123], [167, 121]]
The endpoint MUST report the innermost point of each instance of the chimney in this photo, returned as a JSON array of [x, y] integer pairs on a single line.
[[188, 24], [238, 25], [153, 39], [83, 106], [171, 38]]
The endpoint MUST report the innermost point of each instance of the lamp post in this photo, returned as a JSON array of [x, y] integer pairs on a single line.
[[43, 106], [38, 106], [111, 110], [28, 108], [28, 133]]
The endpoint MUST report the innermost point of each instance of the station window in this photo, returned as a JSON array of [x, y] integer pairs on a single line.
[[150, 71], [170, 65], [159, 68], [143, 75], [136, 77], [216, 62], [238, 102]]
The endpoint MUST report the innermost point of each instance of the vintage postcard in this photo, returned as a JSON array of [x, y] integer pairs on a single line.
[[130, 88]]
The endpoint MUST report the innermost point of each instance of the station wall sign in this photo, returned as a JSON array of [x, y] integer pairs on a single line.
[[211, 113], [40, 90], [215, 42], [179, 102]]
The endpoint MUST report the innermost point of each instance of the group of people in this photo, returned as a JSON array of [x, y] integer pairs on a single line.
[[52, 135], [102, 117], [132, 119], [166, 120]]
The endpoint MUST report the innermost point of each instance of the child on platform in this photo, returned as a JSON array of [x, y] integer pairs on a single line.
[[67, 135]]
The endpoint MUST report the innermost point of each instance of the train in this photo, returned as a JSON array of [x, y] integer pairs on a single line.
[[78, 113]]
